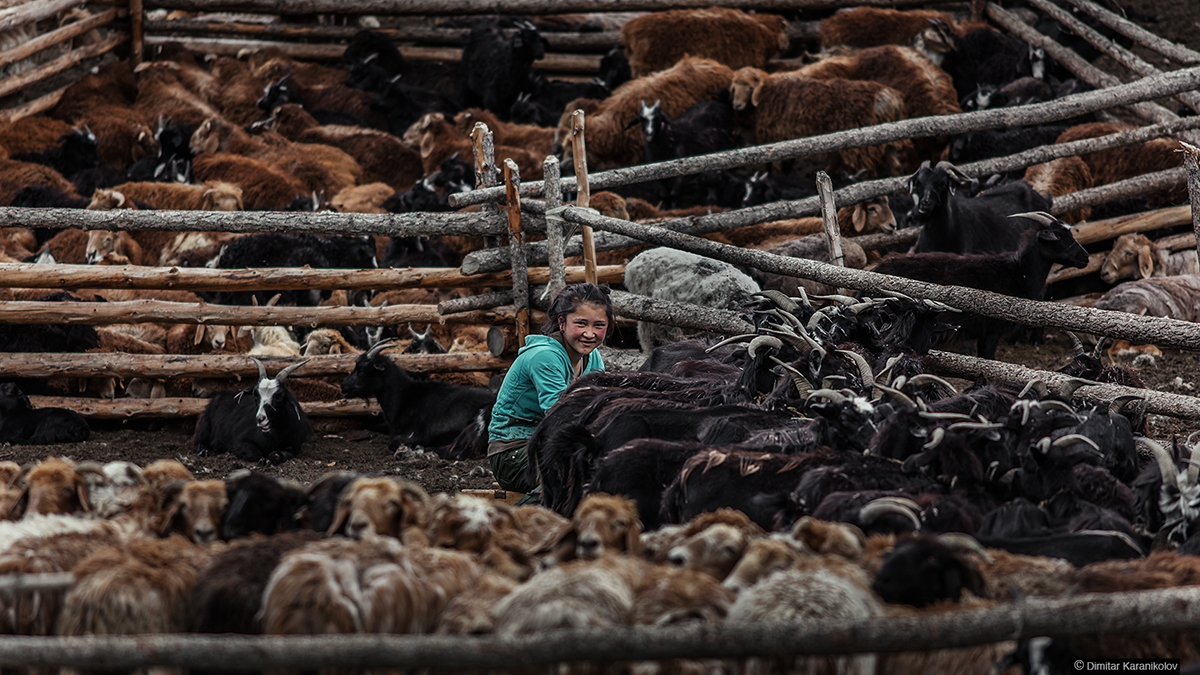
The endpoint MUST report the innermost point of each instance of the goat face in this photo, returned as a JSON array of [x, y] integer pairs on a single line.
[[606, 524], [55, 487], [920, 571], [1132, 256], [715, 550], [268, 394], [380, 506], [195, 509], [743, 91]]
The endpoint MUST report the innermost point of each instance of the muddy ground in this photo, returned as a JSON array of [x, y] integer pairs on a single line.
[[353, 446]]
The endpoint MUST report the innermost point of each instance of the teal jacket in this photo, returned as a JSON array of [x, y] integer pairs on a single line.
[[532, 385]]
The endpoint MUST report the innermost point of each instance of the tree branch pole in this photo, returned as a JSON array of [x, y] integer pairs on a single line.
[[64, 276], [972, 367], [1130, 187], [396, 225], [54, 37], [138, 408], [117, 364], [159, 311], [1138, 612], [554, 229], [1191, 163], [441, 7], [516, 241], [31, 12], [1137, 33], [66, 62], [833, 235], [583, 191], [1072, 62], [1137, 329], [679, 314], [1145, 89], [1118, 53], [474, 302]]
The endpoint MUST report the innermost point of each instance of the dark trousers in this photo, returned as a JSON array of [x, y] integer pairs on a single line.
[[509, 468]]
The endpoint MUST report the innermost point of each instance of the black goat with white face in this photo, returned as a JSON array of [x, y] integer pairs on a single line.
[[417, 412], [22, 424], [264, 421]]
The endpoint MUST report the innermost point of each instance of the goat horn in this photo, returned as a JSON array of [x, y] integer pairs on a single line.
[[1056, 405], [877, 507], [831, 394], [1166, 465], [839, 299], [782, 301], [1037, 386], [729, 341], [1118, 404], [802, 383], [796, 340], [959, 541], [1193, 470], [90, 467], [1036, 216], [1099, 349], [283, 374], [885, 374], [976, 426], [864, 368], [262, 370], [763, 340], [1128, 540], [947, 416], [1068, 386], [1071, 439], [896, 394], [936, 439], [922, 379], [380, 346], [415, 335], [1076, 344]]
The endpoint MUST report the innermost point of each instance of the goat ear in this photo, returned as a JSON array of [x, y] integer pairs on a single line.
[[633, 538], [1145, 262], [858, 218], [199, 334], [339, 517], [18, 508], [754, 94], [170, 506]]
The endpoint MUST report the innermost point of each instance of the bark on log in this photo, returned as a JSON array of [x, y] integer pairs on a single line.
[[158, 311], [1130, 187], [1072, 62], [1145, 89], [554, 229], [1118, 53], [1137, 33], [65, 62], [679, 314], [141, 408], [1137, 612], [37, 105], [440, 7], [874, 242], [1111, 228], [104, 364], [30, 12], [1137, 329], [485, 301], [395, 225], [516, 242], [451, 37], [1191, 165], [971, 367], [56, 36], [63, 276]]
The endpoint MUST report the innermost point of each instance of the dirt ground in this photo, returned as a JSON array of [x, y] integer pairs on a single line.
[[338, 445]]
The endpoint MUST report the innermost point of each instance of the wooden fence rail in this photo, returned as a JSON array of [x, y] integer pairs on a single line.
[[100, 364], [178, 408], [1109, 614], [441, 7]]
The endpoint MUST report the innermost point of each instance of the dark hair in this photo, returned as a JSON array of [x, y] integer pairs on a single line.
[[570, 298]]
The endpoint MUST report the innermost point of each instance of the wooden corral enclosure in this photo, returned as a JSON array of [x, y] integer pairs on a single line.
[[498, 286]]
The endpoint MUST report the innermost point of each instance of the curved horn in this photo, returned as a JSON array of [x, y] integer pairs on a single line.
[[966, 543], [782, 301], [935, 439], [1036, 216], [262, 370], [864, 368], [1068, 386], [383, 344], [761, 341], [1071, 439], [730, 340], [1118, 404], [896, 394], [877, 507], [1166, 465], [922, 379], [831, 394], [283, 374], [802, 383], [91, 467], [1076, 344]]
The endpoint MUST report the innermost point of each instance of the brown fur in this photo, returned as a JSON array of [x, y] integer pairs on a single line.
[[538, 140], [866, 218], [263, 186], [17, 242], [485, 527], [1115, 164], [239, 92], [391, 507], [873, 26], [68, 246], [32, 134], [610, 144], [194, 509], [640, 209], [162, 91], [762, 557], [1060, 177], [15, 175], [602, 524], [787, 107], [440, 139], [367, 198], [53, 486], [729, 36], [113, 84], [382, 156], [123, 135]]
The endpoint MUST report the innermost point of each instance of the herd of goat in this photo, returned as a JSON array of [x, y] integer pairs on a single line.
[[811, 470]]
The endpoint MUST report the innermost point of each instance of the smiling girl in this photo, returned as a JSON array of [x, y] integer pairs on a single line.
[[576, 324]]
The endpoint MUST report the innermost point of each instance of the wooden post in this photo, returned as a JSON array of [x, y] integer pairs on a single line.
[[833, 236], [485, 168], [136, 32], [516, 243], [1191, 162], [583, 192], [554, 229]]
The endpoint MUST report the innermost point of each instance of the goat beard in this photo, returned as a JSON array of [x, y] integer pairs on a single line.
[[265, 427]]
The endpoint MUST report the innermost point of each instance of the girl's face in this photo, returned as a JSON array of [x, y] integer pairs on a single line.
[[584, 329]]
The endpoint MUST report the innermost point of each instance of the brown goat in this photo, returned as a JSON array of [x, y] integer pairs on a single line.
[[866, 218], [263, 185], [54, 485], [538, 140], [391, 507], [602, 524], [874, 26], [1060, 177], [1135, 256], [162, 90], [440, 140], [1115, 164], [787, 107], [729, 36], [15, 175], [210, 196], [32, 134], [485, 527], [122, 134], [194, 509]]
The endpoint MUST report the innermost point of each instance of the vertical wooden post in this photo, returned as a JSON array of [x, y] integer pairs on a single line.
[[516, 244], [136, 33], [554, 228], [833, 235], [1191, 162], [584, 193], [486, 174]]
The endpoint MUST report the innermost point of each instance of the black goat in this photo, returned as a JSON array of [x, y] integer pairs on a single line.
[[702, 129], [74, 152], [22, 424], [261, 422], [545, 99], [260, 503], [988, 57], [417, 412], [44, 196], [496, 68], [1021, 273], [641, 470], [402, 104], [957, 223], [921, 570], [292, 250], [174, 155]]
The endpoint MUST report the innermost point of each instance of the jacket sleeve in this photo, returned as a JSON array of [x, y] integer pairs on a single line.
[[549, 377]]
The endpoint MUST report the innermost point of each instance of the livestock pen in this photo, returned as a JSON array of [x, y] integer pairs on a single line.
[[318, 31]]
